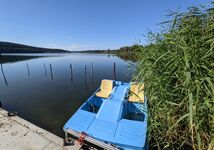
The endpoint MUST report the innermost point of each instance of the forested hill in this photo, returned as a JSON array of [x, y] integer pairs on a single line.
[[7, 47]]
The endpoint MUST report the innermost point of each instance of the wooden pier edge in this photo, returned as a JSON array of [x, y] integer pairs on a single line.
[[19, 134]]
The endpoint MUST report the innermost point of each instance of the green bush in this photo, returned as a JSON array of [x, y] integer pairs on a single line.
[[177, 68], [129, 52]]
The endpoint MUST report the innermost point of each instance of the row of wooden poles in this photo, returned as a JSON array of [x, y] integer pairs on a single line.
[[51, 71], [71, 69]]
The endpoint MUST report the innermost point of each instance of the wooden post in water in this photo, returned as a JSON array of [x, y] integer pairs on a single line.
[[28, 70], [51, 71], [45, 70], [85, 77], [2, 70], [92, 75], [114, 72], [71, 72]]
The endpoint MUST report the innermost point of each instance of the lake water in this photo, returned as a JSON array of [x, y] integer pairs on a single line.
[[47, 89]]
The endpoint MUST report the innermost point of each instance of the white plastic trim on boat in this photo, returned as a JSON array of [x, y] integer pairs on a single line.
[[90, 140]]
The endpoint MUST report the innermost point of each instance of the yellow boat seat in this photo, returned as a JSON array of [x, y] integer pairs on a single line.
[[105, 89], [136, 93]]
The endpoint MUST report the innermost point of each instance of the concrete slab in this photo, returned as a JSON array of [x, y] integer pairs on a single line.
[[3, 113], [19, 134]]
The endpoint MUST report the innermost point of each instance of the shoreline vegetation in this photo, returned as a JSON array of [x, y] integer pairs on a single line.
[[8, 47], [126, 52], [177, 68]]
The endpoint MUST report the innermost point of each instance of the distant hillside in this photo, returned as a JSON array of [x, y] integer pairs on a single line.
[[7, 47]]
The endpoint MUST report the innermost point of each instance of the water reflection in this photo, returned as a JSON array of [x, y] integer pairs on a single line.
[[48, 90]]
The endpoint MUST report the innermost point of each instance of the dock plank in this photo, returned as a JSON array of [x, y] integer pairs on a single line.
[[19, 134]]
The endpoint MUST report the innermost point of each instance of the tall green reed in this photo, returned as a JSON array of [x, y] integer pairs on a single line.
[[177, 68]]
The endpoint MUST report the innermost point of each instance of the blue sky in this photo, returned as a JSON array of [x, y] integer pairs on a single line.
[[83, 24]]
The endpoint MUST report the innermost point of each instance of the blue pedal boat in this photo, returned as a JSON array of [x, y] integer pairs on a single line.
[[114, 117]]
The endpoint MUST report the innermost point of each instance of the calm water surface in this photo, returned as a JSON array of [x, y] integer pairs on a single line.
[[47, 89]]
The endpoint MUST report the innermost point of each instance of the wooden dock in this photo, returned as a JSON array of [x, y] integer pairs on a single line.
[[19, 134]]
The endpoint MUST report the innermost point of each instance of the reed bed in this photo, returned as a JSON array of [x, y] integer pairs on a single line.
[[177, 68]]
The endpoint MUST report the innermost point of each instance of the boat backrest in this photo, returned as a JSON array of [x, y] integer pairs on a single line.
[[106, 85], [136, 93], [106, 89]]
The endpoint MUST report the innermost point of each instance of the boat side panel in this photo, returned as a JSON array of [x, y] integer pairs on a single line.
[[103, 130], [80, 121], [131, 133]]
